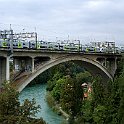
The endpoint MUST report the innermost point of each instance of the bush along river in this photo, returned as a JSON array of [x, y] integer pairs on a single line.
[[38, 92]]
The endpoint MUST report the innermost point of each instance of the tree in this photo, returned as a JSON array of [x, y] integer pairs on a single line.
[[53, 81], [87, 110], [99, 114], [121, 106], [11, 112], [67, 95], [56, 92], [98, 92], [71, 97]]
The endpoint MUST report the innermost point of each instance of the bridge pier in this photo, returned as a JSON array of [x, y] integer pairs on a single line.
[[24, 64], [17, 64], [4, 70], [32, 63], [109, 63], [112, 65], [7, 69], [103, 61]]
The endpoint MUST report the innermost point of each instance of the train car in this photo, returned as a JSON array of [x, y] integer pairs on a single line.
[[43, 44], [122, 49], [4, 43], [53, 46], [61, 46], [25, 44], [17, 43], [117, 50], [32, 44], [70, 47], [20, 44], [90, 49]]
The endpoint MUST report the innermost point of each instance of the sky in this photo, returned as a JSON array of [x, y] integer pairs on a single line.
[[87, 20]]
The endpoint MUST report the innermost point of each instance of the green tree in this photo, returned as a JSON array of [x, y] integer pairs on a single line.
[[56, 92], [121, 106], [67, 95], [52, 82], [112, 99], [87, 110], [99, 114], [70, 98], [98, 92], [11, 112], [107, 103]]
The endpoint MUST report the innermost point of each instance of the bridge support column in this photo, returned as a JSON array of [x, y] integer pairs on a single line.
[[23, 64], [28, 64], [113, 66], [4, 70], [17, 64], [105, 62], [7, 69], [32, 63], [102, 61]]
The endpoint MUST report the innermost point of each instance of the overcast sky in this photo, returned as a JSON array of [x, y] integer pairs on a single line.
[[87, 20]]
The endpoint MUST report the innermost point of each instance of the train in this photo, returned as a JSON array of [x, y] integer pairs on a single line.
[[59, 46], [27, 40]]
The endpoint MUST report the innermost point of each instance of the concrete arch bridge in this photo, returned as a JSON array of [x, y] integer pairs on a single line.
[[28, 64]]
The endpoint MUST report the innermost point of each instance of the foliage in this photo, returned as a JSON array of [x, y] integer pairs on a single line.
[[108, 101], [28, 108], [56, 92], [69, 93], [98, 92], [42, 78], [67, 99], [105, 102], [65, 86], [61, 70], [120, 68], [99, 114], [87, 111], [53, 81], [11, 112], [121, 105], [106, 105]]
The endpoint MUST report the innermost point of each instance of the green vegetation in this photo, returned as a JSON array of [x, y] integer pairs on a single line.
[[12, 112], [107, 104], [103, 105], [65, 87], [95, 102]]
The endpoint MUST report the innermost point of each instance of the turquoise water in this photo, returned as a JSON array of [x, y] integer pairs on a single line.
[[38, 92]]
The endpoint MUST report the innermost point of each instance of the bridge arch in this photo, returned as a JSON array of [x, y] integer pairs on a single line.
[[94, 67]]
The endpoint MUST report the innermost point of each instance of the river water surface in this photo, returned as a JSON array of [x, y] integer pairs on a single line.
[[38, 92]]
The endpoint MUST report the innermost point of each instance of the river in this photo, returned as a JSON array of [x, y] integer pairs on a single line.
[[38, 92]]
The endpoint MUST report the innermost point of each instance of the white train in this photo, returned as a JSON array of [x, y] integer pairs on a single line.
[[44, 45]]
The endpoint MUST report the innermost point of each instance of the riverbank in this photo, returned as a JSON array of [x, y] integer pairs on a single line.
[[57, 109], [55, 106]]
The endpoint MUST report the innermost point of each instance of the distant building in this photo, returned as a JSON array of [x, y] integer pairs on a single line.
[[87, 90]]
